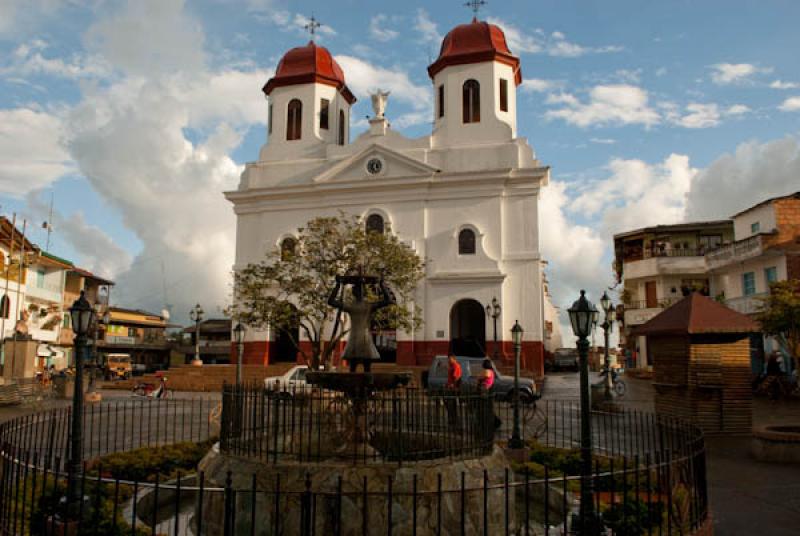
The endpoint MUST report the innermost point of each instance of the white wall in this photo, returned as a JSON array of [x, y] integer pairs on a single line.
[[764, 215], [729, 279], [494, 125]]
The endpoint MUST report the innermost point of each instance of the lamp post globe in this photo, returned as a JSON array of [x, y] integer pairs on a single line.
[[81, 316], [516, 442], [581, 315]]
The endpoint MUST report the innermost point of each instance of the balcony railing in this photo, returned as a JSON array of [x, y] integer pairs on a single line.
[[747, 304], [663, 303], [737, 252]]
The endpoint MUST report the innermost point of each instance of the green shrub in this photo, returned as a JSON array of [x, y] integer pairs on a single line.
[[145, 463], [632, 517]]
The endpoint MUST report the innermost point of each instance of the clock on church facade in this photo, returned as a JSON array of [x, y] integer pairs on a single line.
[[465, 196]]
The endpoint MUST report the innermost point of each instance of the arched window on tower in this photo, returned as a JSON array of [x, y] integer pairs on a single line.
[[466, 242], [375, 224], [288, 248], [471, 101], [5, 306], [341, 127], [294, 120]]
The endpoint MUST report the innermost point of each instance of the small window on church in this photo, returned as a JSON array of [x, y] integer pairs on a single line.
[[466, 242], [472, 101], [342, 124], [294, 120], [441, 100], [5, 306], [324, 104], [503, 95], [288, 248], [269, 119], [375, 224]]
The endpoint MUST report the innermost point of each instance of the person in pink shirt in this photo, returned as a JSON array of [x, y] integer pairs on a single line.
[[486, 380]]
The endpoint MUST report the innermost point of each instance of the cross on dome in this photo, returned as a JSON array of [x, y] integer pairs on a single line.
[[311, 26], [475, 6]]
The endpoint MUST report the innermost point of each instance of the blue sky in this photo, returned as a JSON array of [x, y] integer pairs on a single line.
[[137, 115]]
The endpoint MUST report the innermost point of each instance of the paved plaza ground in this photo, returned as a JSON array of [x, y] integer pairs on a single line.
[[747, 497]]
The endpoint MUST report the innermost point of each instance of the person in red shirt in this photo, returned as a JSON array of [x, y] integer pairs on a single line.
[[453, 372]]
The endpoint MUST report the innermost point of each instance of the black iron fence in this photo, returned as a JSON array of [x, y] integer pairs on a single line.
[[316, 424], [649, 476]]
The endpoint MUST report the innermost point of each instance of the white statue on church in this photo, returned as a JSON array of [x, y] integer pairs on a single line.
[[379, 99]]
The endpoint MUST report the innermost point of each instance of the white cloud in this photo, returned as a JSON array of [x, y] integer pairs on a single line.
[[378, 29], [603, 141], [539, 85], [754, 172], [27, 60], [792, 104], [661, 71], [780, 84], [699, 116], [426, 27], [32, 153], [556, 44], [364, 78], [735, 73], [737, 109], [617, 104], [18, 16]]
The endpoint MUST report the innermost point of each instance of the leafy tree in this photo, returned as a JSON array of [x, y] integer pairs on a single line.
[[291, 286], [780, 315]]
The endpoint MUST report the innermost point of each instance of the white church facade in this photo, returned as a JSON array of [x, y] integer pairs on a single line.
[[464, 197]]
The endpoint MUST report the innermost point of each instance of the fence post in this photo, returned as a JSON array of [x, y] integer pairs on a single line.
[[228, 507], [305, 508]]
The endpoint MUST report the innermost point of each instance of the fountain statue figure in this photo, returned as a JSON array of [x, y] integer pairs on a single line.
[[360, 348]]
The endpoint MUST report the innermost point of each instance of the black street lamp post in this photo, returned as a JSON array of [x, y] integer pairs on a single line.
[[81, 314], [196, 314], [493, 311], [516, 441], [608, 322], [581, 315], [238, 334]]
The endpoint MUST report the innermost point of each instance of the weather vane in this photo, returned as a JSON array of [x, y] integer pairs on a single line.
[[475, 6], [311, 26]]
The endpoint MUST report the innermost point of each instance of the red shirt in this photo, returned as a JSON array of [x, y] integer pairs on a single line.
[[453, 373]]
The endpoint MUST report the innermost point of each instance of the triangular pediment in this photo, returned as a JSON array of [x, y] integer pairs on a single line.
[[376, 162]]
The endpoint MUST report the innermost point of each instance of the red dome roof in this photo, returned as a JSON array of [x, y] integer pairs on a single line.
[[474, 43], [307, 65]]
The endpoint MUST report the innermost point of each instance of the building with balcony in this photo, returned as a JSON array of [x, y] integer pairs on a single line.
[[139, 334], [216, 346], [766, 249], [658, 266]]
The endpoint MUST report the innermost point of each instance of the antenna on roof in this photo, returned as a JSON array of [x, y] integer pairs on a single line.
[[311, 27], [48, 225], [475, 6]]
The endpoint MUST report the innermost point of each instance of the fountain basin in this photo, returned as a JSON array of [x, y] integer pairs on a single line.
[[776, 444]]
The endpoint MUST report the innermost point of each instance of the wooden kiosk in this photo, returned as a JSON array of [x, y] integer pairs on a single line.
[[701, 360]]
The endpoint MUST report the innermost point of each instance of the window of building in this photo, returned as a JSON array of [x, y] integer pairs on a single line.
[[503, 95], [755, 227], [471, 96], [324, 105], [269, 119], [67, 322], [341, 127], [294, 120], [5, 306], [466, 242], [441, 100], [288, 248], [40, 278], [749, 283], [710, 242], [375, 224], [771, 275]]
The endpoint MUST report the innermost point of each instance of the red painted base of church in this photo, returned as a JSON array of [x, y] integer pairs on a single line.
[[409, 353]]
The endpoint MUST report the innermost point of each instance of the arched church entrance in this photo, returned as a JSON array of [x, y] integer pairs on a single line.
[[284, 347], [468, 328]]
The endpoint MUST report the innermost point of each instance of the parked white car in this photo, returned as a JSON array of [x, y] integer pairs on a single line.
[[294, 381]]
